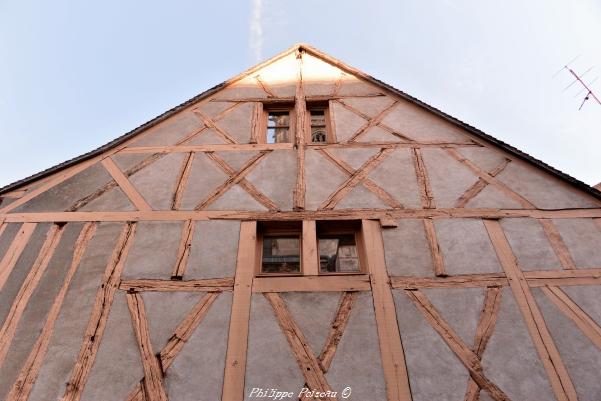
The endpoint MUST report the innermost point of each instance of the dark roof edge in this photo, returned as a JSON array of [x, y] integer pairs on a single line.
[[304, 47]]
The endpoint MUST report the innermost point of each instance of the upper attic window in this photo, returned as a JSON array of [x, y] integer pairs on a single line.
[[319, 123], [278, 128]]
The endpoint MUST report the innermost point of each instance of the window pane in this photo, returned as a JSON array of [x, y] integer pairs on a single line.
[[318, 118], [278, 127], [338, 253], [281, 255]]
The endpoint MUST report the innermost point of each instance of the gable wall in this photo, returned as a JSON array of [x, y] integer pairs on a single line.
[[468, 233]]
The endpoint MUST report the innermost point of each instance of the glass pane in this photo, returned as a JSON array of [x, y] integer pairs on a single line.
[[278, 127], [338, 253], [281, 255], [278, 119], [318, 134], [318, 118]]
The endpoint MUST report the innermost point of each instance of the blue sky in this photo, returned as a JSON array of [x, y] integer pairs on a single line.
[[75, 75]]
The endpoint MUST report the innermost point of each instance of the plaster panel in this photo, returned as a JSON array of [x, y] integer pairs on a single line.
[[212, 108], [583, 239], [346, 122], [275, 176], [8, 236], [125, 161], [465, 246], [157, 182], [406, 249], [544, 191], [72, 320], [236, 198], [460, 307], [422, 125], [62, 196], [449, 179], [21, 269], [314, 321], [358, 198], [207, 137], [281, 75], [354, 157], [170, 131], [205, 177], [377, 134], [34, 315], [510, 359], [319, 77], [118, 365], [435, 373], [154, 250], [490, 197], [587, 298], [214, 249], [486, 158], [357, 360], [270, 362], [396, 175], [112, 200], [203, 354], [237, 123], [530, 244], [352, 86], [371, 106], [321, 178], [581, 357], [247, 87], [237, 159]]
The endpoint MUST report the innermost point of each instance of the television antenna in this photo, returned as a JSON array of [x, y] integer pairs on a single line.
[[579, 78]]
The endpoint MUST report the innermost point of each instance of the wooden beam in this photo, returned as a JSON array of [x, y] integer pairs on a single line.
[[558, 375], [130, 191], [367, 183], [484, 330], [235, 360], [437, 259], [500, 185], [423, 182], [300, 108], [563, 277], [182, 180], [343, 314], [571, 310], [459, 281], [309, 253], [244, 183], [391, 348], [306, 360], [30, 369], [345, 214], [371, 122], [183, 252], [176, 342], [21, 300], [479, 185], [158, 285], [334, 283], [256, 124], [557, 244], [211, 124], [10, 258], [264, 86], [355, 179], [99, 316], [231, 180], [469, 359], [154, 388]]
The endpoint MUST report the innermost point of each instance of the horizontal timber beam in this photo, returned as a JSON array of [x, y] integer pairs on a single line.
[[312, 283], [344, 214], [211, 284]]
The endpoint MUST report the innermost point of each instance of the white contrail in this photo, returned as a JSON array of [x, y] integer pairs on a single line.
[[256, 30]]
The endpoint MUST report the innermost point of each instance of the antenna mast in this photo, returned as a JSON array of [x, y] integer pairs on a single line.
[[585, 87]]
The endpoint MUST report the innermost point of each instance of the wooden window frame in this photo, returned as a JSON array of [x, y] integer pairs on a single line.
[[265, 109], [308, 232], [330, 137], [284, 229]]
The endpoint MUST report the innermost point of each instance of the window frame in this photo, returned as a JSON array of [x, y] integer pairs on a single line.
[[278, 229], [330, 137], [268, 108]]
